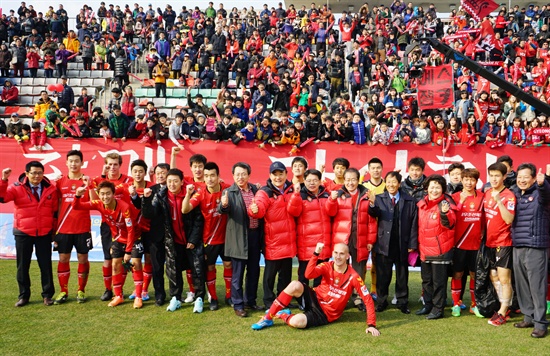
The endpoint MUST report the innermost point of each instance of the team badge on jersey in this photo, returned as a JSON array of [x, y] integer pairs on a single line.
[[336, 280], [434, 216], [73, 187], [510, 205], [472, 206], [364, 290], [128, 222]]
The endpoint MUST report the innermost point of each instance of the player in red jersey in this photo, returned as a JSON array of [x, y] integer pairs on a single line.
[[196, 163], [138, 169], [126, 244], [214, 228], [469, 228], [73, 230], [499, 207], [339, 166], [111, 173], [327, 302]]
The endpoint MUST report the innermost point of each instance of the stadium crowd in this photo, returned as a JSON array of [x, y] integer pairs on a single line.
[[287, 75], [181, 226]]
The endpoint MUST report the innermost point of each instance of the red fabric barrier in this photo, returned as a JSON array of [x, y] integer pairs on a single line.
[[225, 154]]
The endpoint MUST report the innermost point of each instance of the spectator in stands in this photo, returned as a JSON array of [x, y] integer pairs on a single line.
[[19, 58], [118, 124], [87, 50], [121, 69], [161, 72], [62, 56], [43, 105], [10, 94], [65, 98], [115, 99], [5, 60]]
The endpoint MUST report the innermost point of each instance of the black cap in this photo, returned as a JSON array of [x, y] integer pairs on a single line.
[[277, 166]]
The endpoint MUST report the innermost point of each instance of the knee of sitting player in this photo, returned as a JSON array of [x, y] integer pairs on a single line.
[[298, 321], [295, 288]]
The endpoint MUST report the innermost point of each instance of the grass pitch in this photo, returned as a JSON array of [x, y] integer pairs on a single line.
[[94, 328]]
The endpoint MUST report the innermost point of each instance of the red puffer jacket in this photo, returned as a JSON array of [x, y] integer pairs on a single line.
[[436, 231], [313, 222], [343, 212], [31, 217], [279, 225]]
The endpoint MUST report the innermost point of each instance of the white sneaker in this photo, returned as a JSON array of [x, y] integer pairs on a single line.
[[198, 306], [394, 300], [174, 304], [190, 297]]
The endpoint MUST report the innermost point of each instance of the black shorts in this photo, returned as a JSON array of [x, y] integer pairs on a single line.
[[500, 257], [211, 253], [464, 259], [81, 242], [118, 250], [106, 240], [312, 310]]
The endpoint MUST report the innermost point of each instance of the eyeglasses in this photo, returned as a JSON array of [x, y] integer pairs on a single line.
[[34, 173]]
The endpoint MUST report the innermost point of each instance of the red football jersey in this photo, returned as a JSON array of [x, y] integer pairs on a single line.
[[121, 220], [330, 185], [121, 187], [336, 288], [470, 221], [144, 224], [498, 232], [71, 221], [214, 222]]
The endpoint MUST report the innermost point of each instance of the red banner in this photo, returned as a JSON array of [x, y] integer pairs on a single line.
[[435, 88], [225, 154], [478, 9]]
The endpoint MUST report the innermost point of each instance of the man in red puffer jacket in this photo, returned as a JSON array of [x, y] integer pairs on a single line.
[[270, 204], [35, 218], [313, 225], [352, 224]]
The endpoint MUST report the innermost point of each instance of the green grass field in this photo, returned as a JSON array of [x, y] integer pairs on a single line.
[[94, 328]]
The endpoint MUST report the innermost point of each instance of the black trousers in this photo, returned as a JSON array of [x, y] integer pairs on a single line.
[[193, 259], [160, 88], [87, 63], [282, 269], [158, 257], [384, 271], [239, 297], [434, 285], [42, 245]]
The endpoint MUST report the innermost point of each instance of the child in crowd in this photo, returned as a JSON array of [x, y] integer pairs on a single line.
[[423, 133]]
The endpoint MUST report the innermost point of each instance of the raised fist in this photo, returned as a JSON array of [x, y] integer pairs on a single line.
[[6, 172]]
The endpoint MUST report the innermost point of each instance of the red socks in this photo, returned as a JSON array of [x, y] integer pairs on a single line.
[[147, 275], [456, 287], [83, 271], [279, 304], [211, 283], [118, 281], [63, 274], [108, 277], [138, 282], [286, 318], [472, 291], [227, 275], [190, 281]]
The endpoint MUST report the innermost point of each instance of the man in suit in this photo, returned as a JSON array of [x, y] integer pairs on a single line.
[[397, 236]]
